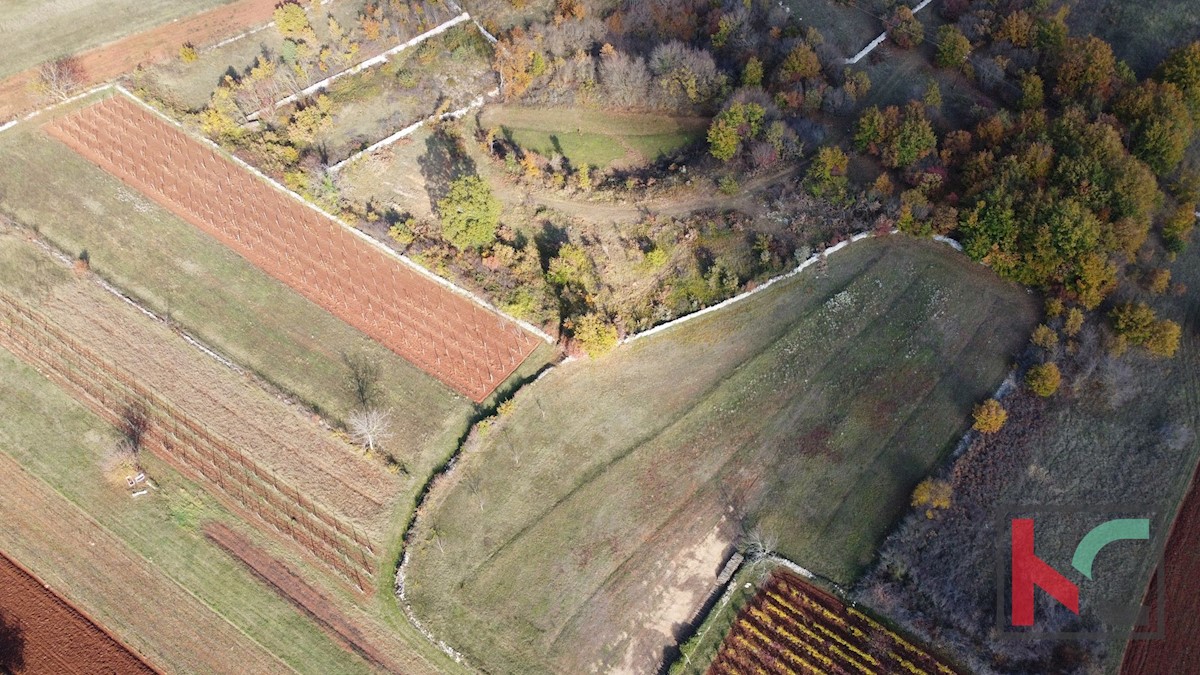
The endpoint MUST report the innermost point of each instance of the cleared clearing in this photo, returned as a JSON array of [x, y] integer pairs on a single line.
[[809, 412], [595, 137]]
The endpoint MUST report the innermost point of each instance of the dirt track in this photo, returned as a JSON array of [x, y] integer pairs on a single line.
[[40, 632], [469, 348], [117, 58], [289, 584]]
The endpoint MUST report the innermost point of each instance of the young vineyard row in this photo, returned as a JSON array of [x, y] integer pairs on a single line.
[[469, 348], [790, 626]]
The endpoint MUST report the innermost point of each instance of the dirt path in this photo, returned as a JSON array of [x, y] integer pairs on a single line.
[[117, 58]]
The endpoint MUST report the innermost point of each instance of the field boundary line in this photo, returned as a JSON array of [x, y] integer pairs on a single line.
[[199, 344], [405, 260], [121, 540], [878, 40], [363, 65], [57, 104], [814, 258], [412, 128]]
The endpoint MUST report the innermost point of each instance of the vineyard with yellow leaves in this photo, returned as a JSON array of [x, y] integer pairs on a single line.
[[793, 627]]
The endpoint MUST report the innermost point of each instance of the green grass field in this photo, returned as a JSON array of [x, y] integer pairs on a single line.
[[808, 412], [597, 138], [35, 31]]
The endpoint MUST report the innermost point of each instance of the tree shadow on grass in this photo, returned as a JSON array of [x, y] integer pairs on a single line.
[[12, 646], [444, 162]]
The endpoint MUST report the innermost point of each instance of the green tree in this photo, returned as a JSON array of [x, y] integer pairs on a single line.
[[1094, 279], [1177, 228], [989, 416], [1182, 69], [1074, 322], [596, 335], [1159, 122], [800, 64], [1044, 337], [953, 47], [905, 29], [873, 128], [724, 139], [752, 74], [1133, 321], [469, 213], [1087, 70], [737, 123], [1033, 91], [826, 178], [1043, 379], [292, 22], [1164, 339], [914, 140], [933, 494]]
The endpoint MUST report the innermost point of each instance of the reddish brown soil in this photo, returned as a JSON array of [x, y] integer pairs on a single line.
[[289, 584], [1178, 651], [40, 632], [117, 58], [466, 346]]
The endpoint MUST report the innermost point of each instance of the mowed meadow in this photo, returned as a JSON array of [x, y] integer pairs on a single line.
[[808, 413]]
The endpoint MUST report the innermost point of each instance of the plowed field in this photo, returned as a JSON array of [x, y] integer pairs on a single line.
[[41, 632]]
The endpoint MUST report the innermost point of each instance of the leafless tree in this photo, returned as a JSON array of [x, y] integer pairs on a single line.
[[474, 483], [61, 78], [759, 543], [370, 427], [625, 78], [133, 425]]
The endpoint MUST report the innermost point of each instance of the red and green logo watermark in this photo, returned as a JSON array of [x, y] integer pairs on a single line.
[[1091, 576]]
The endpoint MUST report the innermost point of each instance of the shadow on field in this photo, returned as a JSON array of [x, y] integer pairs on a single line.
[[12, 646], [443, 162]]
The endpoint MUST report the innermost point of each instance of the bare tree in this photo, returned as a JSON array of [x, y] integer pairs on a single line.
[[61, 78], [133, 425], [759, 543], [364, 379], [371, 427]]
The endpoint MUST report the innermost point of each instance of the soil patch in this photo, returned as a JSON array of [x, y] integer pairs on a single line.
[[41, 632]]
